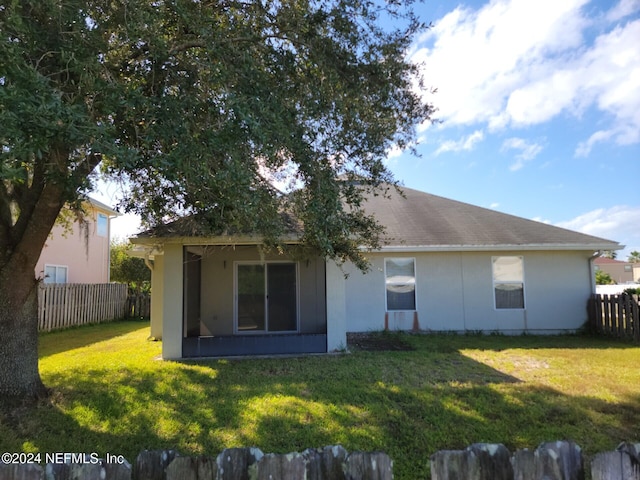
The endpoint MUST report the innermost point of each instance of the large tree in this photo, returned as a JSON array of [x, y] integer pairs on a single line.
[[194, 105]]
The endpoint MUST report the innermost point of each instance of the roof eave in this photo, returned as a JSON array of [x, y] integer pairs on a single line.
[[220, 240], [501, 247]]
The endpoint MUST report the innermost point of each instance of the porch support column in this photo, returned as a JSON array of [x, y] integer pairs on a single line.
[[157, 284], [172, 302], [336, 308]]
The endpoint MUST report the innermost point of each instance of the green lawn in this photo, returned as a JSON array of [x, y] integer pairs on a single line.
[[112, 395]]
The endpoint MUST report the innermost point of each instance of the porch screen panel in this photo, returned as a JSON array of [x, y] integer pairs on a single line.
[[281, 297], [251, 300]]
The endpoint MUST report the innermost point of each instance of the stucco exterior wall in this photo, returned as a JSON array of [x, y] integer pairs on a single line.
[[454, 292], [86, 256], [172, 270], [217, 289]]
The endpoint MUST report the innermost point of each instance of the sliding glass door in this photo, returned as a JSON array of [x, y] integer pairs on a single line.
[[266, 297]]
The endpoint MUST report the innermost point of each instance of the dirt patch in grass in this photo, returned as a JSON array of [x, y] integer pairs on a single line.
[[379, 342]]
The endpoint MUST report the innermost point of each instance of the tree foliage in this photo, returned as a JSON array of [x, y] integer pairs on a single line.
[[603, 278], [194, 105], [634, 257], [127, 269]]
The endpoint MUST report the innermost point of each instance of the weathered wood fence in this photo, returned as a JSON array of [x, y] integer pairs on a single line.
[[617, 315], [328, 463], [138, 306], [65, 305], [550, 461]]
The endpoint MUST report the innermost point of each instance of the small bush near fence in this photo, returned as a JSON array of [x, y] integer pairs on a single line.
[[66, 305], [550, 461]]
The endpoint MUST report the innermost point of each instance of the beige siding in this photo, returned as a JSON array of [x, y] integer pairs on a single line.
[[454, 292]]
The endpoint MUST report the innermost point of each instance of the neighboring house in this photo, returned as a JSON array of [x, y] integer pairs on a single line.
[[79, 252], [446, 266], [619, 271]]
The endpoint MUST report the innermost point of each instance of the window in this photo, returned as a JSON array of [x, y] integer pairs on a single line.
[[266, 297], [508, 282], [55, 274], [400, 283], [102, 225], [627, 268]]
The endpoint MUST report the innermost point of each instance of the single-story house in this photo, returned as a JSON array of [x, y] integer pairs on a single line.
[[445, 266]]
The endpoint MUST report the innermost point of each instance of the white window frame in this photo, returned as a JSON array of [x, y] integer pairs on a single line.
[[415, 284], [57, 267], [236, 330], [102, 232], [508, 282]]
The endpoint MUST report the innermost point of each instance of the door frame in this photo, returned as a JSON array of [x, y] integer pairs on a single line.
[[266, 331]]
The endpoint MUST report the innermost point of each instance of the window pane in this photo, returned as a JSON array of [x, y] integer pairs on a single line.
[[281, 292], [399, 269], [509, 295], [102, 225], [61, 275], [49, 274], [251, 314], [508, 269], [401, 297]]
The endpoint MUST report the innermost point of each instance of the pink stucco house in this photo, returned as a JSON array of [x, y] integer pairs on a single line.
[[79, 254]]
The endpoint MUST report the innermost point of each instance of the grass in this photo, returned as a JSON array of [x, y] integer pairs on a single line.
[[111, 395]]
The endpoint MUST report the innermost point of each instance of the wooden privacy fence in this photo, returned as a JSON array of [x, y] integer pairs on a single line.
[[138, 306], [481, 461], [68, 304], [617, 315]]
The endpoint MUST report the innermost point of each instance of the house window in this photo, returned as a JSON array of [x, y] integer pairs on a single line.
[[508, 282], [266, 297], [627, 268], [55, 274], [102, 225], [400, 283]]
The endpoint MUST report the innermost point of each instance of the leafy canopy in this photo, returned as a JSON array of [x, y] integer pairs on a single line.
[[127, 269], [194, 106]]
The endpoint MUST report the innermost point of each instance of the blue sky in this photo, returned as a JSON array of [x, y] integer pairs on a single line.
[[539, 104], [540, 110]]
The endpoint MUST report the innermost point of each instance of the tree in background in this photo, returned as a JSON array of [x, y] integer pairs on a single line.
[[195, 106], [612, 254], [634, 257], [603, 278], [127, 269]]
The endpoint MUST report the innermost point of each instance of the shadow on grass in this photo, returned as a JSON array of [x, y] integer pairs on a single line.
[[408, 404], [498, 342], [51, 343]]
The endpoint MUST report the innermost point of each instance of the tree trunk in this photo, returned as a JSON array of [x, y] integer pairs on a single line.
[[19, 375]]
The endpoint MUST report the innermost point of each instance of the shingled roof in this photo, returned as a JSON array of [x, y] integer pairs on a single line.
[[418, 221]]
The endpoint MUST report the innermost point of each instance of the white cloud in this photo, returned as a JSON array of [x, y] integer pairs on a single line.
[[528, 151], [466, 143], [623, 9], [618, 223], [518, 63]]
